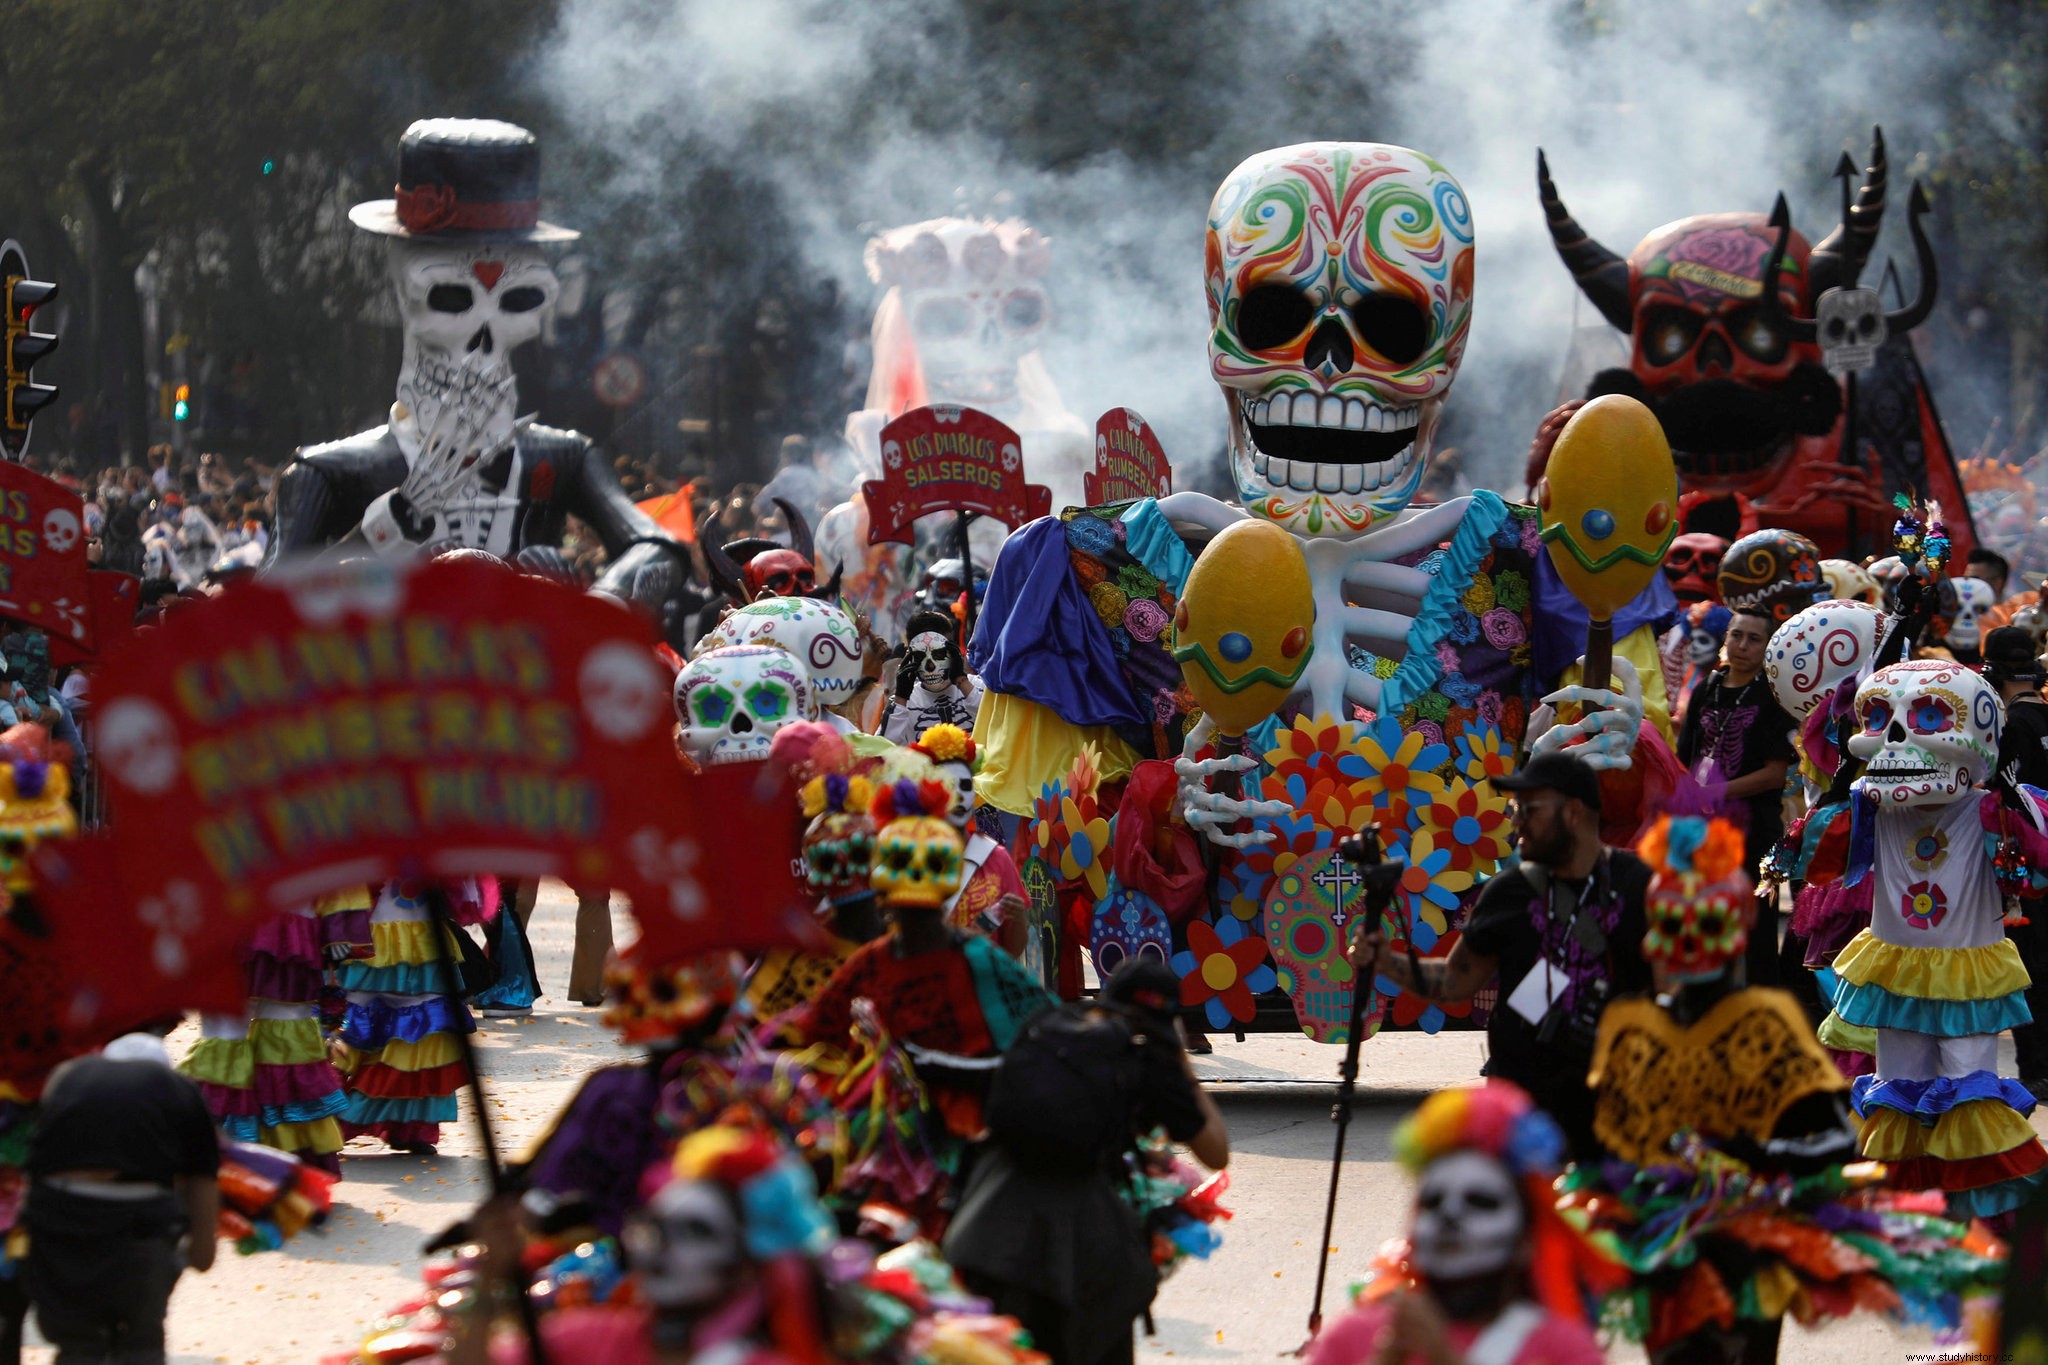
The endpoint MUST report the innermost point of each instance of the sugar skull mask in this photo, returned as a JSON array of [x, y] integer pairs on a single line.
[[1775, 572], [821, 636], [1849, 581], [1963, 603], [732, 701], [1928, 733], [1816, 651], [917, 862], [687, 1246], [839, 851], [1706, 626], [466, 308], [1340, 298]]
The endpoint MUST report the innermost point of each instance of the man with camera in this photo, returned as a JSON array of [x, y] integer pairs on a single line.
[[1561, 933]]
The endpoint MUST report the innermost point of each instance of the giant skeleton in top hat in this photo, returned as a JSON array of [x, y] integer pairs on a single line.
[[456, 465]]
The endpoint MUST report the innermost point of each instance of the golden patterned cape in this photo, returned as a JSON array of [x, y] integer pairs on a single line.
[[1732, 1073]]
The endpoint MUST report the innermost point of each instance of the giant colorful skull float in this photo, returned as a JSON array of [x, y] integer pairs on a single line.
[[1929, 733], [1340, 298]]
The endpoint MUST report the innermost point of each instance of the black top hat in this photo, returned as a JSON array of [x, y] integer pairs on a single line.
[[465, 180]]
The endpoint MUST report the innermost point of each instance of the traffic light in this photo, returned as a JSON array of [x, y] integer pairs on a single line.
[[24, 347], [181, 406]]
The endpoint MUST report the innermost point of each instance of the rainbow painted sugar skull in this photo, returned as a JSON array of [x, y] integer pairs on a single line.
[[917, 862], [731, 701], [1695, 929], [1929, 733], [1340, 297], [1819, 649]]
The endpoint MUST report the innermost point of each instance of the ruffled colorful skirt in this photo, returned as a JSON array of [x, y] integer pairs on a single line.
[[265, 1073], [1942, 1123], [401, 1057]]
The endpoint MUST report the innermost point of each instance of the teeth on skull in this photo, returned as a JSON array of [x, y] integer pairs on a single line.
[[1375, 419], [1331, 414], [1259, 462], [1354, 417], [1404, 418], [1301, 476], [1354, 478], [1329, 478], [1276, 473]]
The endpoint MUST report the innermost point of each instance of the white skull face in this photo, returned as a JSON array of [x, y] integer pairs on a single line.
[[466, 308], [1340, 297], [622, 688], [731, 701], [971, 294], [821, 636], [1849, 581], [139, 745], [1702, 647], [1974, 597], [1850, 326], [1817, 650], [1468, 1217], [959, 776], [60, 530], [1929, 733], [686, 1246], [930, 656], [2034, 621]]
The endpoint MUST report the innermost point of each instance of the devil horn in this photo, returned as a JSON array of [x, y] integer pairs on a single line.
[[1602, 276], [799, 531], [1840, 257], [725, 571], [1799, 329], [1915, 313]]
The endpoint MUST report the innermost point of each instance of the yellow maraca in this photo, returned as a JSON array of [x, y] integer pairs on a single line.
[[1608, 504], [1245, 627]]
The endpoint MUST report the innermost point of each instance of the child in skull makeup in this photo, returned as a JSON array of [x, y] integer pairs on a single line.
[[933, 686]]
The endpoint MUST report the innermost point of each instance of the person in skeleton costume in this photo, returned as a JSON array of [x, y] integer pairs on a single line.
[[1488, 1271], [1339, 280], [457, 463], [1959, 619], [1737, 374], [1934, 974], [933, 686], [991, 896], [1732, 1142]]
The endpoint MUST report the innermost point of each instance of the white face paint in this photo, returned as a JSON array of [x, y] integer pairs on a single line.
[[931, 655], [1703, 647], [688, 1252], [1468, 1217]]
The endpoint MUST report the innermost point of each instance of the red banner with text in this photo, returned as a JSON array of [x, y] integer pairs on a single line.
[[1129, 461], [42, 558], [948, 459]]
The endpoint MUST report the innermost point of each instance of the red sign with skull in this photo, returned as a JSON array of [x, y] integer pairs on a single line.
[[331, 726], [43, 573], [948, 459], [1129, 461]]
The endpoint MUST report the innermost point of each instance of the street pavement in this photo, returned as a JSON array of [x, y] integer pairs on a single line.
[[1250, 1302]]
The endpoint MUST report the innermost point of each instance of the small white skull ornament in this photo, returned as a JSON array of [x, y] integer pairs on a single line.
[[731, 701], [1340, 298], [139, 745], [821, 636], [1973, 597], [1817, 650], [1468, 1217], [1850, 326], [60, 530], [621, 687], [1929, 733]]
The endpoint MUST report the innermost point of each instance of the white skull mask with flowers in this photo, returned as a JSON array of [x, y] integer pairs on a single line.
[[730, 702], [1928, 736], [1340, 297]]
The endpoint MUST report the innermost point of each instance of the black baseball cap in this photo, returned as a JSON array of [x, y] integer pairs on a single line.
[[2010, 656], [1555, 772]]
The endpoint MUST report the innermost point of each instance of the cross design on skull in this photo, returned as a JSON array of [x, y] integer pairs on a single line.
[[1339, 878], [175, 915], [670, 861]]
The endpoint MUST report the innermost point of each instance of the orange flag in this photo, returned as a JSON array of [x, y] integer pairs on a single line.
[[674, 512]]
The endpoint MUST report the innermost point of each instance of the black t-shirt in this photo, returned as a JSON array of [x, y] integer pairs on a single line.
[[1731, 732], [137, 1118], [1503, 926], [2023, 748], [1166, 1096]]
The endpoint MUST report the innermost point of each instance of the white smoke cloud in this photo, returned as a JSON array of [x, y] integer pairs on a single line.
[[1649, 112]]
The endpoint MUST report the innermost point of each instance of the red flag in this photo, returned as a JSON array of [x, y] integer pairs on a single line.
[[675, 513]]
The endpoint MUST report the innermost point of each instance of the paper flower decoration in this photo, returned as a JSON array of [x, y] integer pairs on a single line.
[[1224, 970], [1471, 823], [1295, 836], [1083, 839], [1483, 755], [1429, 886], [1309, 747], [1400, 767]]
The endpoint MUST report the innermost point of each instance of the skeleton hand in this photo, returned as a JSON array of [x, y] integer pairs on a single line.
[[1211, 814], [459, 439], [1609, 733]]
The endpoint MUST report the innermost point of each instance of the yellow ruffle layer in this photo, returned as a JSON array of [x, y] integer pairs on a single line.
[[271, 1042], [1842, 1036], [321, 1136], [221, 1061], [436, 1049], [403, 943], [1985, 973], [355, 898], [1972, 1129], [1024, 745]]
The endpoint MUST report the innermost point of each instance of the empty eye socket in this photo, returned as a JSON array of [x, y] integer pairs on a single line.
[[767, 700], [1866, 326], [944, 318], [1431, 1199], [896, 857], [1393, 326], [1759, 336], [1273, 315], [1930, 716], [1668, 333], [1876, 717], [1671, 923], [1713, 924], [1486, 1201], [939, 860], [451, 298], [1024, 311], [524, 299]]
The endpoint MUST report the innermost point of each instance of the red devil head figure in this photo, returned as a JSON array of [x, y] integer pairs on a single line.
[[1720, 312], [751, 569], [1692, 564]]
